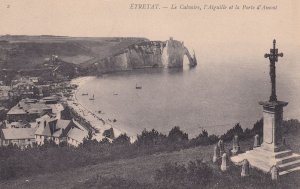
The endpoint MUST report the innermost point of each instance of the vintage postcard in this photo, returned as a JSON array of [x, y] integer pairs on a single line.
[[149, 94]]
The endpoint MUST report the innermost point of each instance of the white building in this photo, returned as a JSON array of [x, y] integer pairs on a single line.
[[59, 130], [22, 137], [76, 136]]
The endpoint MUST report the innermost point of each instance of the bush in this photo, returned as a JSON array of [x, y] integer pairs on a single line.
[[204, 139], [177, 136], [122, 139], [236, 130], [152, 137], [291, 126], [257, 128]]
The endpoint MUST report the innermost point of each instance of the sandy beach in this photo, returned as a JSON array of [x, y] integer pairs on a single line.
[[98, 122]]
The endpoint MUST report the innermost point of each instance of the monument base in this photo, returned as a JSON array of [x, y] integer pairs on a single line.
[[264, 159]]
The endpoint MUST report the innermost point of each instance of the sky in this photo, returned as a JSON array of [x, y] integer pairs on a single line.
[[214, 34]]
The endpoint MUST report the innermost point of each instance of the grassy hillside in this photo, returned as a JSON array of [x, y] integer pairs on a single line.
[[139, 172], [26, 52]]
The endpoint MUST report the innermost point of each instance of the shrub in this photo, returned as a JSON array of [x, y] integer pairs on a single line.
[[122, 139], [258, 128], [236, 130], [292, 126], [152, 137], [177, 136]]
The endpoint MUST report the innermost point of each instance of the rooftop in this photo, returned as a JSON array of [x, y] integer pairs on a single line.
[[28, 106], [18, 133], [57, 126], [77, 134]]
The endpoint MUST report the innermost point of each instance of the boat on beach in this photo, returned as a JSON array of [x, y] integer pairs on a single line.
[[92, 98], [85, 94], [138, 86]]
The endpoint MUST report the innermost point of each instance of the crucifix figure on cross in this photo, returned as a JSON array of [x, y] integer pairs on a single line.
[[273, 57]]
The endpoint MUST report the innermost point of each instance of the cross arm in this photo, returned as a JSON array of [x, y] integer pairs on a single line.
[[280, 54]]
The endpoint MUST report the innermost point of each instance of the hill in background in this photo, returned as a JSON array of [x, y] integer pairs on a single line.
[[29, 52]]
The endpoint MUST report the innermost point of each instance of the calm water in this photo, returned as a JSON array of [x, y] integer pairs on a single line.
[[213, 96]]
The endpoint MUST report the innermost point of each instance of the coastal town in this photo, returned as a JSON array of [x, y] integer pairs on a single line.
[[33, 112]]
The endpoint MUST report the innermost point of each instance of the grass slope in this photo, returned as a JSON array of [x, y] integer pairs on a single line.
[[142, 169]]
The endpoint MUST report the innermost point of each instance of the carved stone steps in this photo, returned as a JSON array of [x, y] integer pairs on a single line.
[[288, 159], [289, 171], [265, 153], [289, 165], [285, 160]]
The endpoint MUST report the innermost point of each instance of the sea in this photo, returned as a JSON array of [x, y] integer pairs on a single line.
[[215, 95]]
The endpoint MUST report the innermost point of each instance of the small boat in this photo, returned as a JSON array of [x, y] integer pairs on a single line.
[[138, 86], [92, 98], [84, 94]]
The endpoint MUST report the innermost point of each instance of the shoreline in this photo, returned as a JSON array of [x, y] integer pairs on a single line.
[[99, 123]]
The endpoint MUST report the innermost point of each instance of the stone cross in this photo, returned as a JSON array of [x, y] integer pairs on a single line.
[[273, 57], [274, 173], [221, 146], [216, 154], [256, 141], [224, 165], [235, 145], [245, 168]]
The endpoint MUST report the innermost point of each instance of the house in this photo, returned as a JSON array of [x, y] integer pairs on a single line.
[[52, 128], [22, 137], [58, 130], [50, 100], [46, 127], [76, 136], [29, 110]]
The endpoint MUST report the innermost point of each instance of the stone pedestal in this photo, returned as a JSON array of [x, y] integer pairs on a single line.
[[272, 151], [272, 116]]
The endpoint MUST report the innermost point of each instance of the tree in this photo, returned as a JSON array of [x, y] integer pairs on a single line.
[[202, 139], [123, 139], [236, 130], [150, 138], [109, 133], [258, 127], [104, 141], [176, 135]]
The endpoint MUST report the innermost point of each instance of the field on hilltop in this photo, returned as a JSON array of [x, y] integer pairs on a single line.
[[27, 52]]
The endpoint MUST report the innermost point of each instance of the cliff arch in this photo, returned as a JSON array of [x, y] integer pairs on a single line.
[[174, 52], [148, 54]]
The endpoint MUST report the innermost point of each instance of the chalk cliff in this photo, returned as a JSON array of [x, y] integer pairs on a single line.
[[147, 54]]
